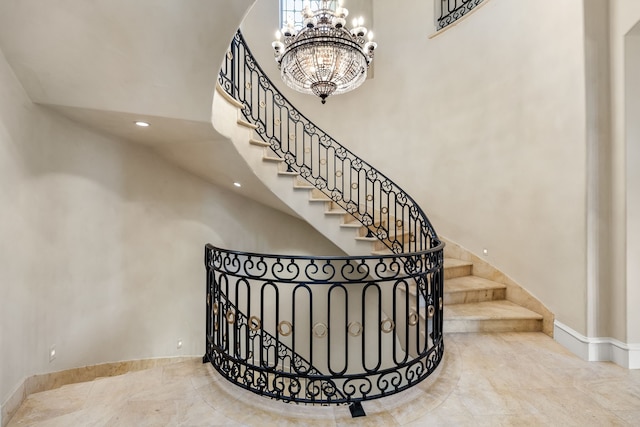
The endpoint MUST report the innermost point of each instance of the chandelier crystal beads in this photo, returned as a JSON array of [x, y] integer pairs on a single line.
[[324, 58]]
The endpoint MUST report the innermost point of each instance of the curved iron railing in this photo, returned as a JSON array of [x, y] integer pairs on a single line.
[[387, 211], [314, 329], [324, 329]]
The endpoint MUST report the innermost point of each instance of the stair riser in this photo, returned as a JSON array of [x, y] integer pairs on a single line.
[[473, 296], [458, 271], [319, 195], [492, 325]]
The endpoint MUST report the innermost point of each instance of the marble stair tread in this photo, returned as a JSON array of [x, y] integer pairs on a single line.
[[351, 225], [316, 200], [259, 143], [488, 310], [275, 159], [469, 289], [298, 186], [246, 124], [366, 239], [490, 316], [335, 212]]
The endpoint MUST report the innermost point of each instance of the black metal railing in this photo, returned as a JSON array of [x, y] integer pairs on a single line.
[[386, 210], [449, 11], [324, 330]]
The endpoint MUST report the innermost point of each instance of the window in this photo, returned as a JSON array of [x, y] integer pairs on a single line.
[[449, 11], [291, 11]]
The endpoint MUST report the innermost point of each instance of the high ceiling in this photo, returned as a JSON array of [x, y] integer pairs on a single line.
[[108, 63]]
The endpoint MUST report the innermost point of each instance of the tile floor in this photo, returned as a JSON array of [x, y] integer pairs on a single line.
[[485, 379]]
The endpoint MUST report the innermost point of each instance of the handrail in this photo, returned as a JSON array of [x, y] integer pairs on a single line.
[[288, 327], [387, 211]]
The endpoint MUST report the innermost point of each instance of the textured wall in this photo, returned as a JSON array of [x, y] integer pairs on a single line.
[[102, 244], [484, 125], [625, 45]]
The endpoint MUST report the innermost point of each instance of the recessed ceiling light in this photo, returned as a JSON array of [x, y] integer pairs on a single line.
[[142, 124], [237, 184]]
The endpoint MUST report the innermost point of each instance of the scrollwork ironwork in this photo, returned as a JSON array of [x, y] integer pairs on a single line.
[[263, 353], [250, 344], [327, 157]]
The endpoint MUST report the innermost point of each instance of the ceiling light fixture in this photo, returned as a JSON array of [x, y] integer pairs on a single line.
[[237, 184], [324, 58], [142, 124]]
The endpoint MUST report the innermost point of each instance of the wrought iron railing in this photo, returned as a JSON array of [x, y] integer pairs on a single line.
[[324, 330], [449, 11], [314, 329], [387, 211]]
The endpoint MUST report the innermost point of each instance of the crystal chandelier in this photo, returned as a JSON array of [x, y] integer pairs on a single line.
[[324, 58]]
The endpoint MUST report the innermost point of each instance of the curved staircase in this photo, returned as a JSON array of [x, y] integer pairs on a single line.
[[472, 303], [477, 297], [419, 289], [475, 304]]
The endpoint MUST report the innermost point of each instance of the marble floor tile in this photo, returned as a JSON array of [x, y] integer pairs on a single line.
[[616, 394], [505, 379]]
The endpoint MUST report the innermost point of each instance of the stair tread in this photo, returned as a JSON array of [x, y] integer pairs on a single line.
[[287, 173], [470, 283], [454, 262], [489, 310], [335, 212], [259, 143], [246, 124], [272, 159], [352, 225], [368, 239]]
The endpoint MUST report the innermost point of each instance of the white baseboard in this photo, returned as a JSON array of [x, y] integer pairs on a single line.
[[597, 349]]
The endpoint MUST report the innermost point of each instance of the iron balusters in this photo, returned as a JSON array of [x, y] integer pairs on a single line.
[[324, 330], [386, 210]]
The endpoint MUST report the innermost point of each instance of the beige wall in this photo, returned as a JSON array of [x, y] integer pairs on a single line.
[[625, 15], [102, 244], [602, 320], [485, 125], [632, 125]]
